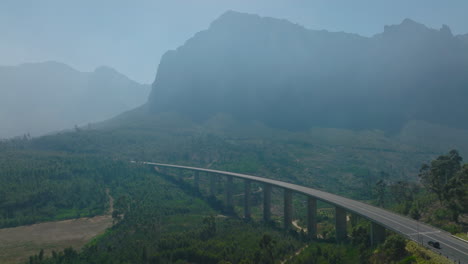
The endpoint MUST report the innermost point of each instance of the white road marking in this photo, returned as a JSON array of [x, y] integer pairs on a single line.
[[424, 233]]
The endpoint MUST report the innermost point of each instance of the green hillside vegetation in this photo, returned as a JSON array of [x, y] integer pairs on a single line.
[[41, 186], [160, 222], [350, 163], [341, 161], [160, 218], [441, 200]]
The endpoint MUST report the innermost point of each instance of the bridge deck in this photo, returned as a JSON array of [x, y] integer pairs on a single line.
[[452, 247]]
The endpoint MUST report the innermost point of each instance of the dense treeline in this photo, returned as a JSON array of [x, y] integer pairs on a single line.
[[342, 162], [37, 186], [448, 179], [158, 222], [441, 197]]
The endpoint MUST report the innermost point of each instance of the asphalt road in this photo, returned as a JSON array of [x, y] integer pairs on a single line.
[[454, 248]]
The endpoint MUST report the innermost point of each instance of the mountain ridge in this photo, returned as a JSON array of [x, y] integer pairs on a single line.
[[39, 98], [288, 76]]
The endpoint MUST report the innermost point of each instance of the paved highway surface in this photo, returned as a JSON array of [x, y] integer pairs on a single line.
[[454, 248]]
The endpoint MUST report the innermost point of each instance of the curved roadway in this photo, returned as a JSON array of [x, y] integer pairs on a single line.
[[450, 246]]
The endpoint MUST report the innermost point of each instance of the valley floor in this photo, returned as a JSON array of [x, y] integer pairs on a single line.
[[18, 243]]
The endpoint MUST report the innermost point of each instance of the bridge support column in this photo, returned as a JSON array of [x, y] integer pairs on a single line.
[[196, 180], [340, 224], [266, 202], [229, 203], [247, 199], [354, 219], [312, 217], [377, 234], [213, 185], [287, 209]]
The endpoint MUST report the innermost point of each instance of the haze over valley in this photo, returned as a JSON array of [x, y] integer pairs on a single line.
[[260, 140], [41, 98]]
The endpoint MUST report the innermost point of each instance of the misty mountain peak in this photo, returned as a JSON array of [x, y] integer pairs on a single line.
[[412, 31], [232, 20], [407, 22], [107, 71], [407, 27], [230, 17], [47, 66], [231, 14], [445, 30]]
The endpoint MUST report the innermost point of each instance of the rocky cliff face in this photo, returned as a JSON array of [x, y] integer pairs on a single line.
[[287, 76]]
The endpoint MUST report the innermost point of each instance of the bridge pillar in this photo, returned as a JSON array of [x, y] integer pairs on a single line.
[[312, 217], [354, 219], [219, 180], [247, 199], [377, 234], [213, 185], [266, 202], [229, 203], [287, 209], [340, 224], [196, 180]]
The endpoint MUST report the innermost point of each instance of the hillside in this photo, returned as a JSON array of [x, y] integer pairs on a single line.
[[66, 175], [39, 98], [287, 76]]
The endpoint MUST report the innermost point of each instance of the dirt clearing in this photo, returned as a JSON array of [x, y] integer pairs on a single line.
[[18, 243]]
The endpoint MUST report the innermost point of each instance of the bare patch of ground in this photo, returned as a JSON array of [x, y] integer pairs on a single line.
[[295, 223], [18, 243], [299, 251]]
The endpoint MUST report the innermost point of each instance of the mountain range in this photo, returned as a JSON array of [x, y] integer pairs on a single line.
[[290, 77], [38, 98]]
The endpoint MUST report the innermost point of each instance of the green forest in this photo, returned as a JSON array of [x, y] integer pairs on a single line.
[[159, 217]]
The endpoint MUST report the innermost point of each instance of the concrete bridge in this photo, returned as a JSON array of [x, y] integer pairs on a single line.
[[452, 247]]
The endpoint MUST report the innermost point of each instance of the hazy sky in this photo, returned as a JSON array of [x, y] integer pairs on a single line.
[[131, 36]]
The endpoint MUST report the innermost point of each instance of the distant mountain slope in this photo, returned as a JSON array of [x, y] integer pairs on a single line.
[[287, 76], [464, 38], [38, 98]]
